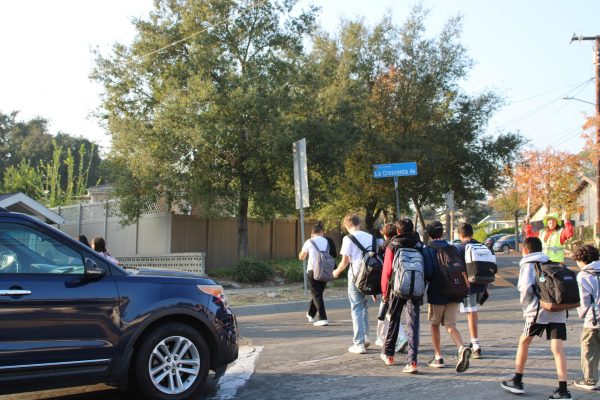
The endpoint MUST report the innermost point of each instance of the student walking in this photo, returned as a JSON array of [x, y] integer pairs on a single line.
[[552, 236], [99, 245], [589, 292], [538, 321], [311, 249], [388, 231], [352, 256], [407, 239], [477, 292], [442, 311]]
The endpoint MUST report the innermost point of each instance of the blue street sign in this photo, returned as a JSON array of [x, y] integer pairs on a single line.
[[397, 169]]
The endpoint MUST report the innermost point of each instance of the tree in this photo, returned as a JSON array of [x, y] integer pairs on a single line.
[[23, 178], [206, 120]]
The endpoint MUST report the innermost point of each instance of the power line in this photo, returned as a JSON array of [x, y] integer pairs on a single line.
[[548, 92]]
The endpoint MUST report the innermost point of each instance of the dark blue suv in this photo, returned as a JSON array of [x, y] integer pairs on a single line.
[[69, 317]]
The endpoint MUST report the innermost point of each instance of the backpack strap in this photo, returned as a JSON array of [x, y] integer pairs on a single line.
[[536, 290], [593, 302], [317, 247], [357, 243]]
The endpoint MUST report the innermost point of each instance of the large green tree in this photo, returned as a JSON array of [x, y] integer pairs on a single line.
[[200, 105]]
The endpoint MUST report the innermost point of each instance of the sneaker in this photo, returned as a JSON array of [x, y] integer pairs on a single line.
[[357, 349], [367, 342], [379, 342], [411, 368], [558, 395], [403, 346], [310, 319], [388, 360], [437, 363], [513, 387], [464, 353], [476, 354], [585, 384], [322, 322]]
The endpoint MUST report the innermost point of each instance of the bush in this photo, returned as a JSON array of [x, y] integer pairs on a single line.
[[249, 270], [289, 269]]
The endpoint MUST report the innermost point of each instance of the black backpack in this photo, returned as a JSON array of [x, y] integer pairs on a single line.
[[368, 278], [556, 287], [451, 274]]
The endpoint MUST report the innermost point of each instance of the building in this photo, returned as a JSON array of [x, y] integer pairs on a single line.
[[21, 203]]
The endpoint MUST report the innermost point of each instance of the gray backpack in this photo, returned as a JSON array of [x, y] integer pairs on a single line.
[[324, 264], [408, 274]]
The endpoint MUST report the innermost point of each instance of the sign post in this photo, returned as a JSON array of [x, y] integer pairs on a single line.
[[301, 189], [394, 171]]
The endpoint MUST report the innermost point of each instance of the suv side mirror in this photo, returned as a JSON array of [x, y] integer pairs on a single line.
[[92, 270]]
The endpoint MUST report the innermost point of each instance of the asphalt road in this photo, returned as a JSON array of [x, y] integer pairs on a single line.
[[295, 360]]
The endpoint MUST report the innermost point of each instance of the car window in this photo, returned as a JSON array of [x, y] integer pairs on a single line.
[[27, 251]]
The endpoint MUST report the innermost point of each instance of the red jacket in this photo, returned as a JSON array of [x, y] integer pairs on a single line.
[[566, 233]]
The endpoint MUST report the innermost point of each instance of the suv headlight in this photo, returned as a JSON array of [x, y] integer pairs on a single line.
[[216, 291]]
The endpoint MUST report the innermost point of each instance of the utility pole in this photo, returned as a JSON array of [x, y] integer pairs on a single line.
[[596, 39]]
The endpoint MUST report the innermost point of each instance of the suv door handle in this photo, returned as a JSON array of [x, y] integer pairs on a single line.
[[12, 292]]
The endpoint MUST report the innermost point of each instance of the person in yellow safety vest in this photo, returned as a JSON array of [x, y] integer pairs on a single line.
[[552, 236]]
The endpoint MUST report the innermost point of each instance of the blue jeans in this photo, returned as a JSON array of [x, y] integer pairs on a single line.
[[360, 312]]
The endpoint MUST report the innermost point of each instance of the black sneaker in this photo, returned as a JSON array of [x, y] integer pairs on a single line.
[[437, 363], [512, 386], [558, 395]]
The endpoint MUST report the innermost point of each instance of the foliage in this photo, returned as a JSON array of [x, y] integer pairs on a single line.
[[289, 269], [66, 164], [23, 178], [207, 120], [480, 235], [249, 270]]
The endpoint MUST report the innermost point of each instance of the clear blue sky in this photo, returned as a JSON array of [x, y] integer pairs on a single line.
[[520, 48]]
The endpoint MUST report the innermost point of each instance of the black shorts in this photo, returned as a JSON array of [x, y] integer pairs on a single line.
[[553, 330]]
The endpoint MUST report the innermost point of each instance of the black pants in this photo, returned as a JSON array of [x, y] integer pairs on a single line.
[[413, 317], [316, 303]]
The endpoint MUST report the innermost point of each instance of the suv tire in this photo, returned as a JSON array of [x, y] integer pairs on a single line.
[[172, 363], [505, 248]]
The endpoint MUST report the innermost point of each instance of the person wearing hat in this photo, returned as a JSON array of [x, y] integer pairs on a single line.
[[553, 237]]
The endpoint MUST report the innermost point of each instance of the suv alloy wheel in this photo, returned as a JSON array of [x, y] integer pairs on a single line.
[[172, 363]]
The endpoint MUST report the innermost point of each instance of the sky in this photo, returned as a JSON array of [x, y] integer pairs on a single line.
[[520, 48]]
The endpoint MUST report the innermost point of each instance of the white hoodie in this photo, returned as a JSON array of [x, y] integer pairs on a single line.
[[529, 300], [589, 285]]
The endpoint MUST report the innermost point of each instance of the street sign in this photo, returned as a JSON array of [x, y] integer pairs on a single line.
[[392, 170], [300, 174]]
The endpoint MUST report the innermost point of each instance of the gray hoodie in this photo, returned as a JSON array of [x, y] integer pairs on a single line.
[[589, 285], [529, 301]]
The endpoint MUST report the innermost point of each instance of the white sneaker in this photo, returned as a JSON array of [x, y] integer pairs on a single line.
[[357, 349], [310, 319], [379, 342], [322, 322]]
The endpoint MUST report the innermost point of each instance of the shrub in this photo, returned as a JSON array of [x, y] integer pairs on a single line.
[[249, 270], [289, 269]]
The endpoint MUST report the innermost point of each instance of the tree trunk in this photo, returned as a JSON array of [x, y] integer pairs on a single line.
[[516, 231], [420, 217], [243, 225], [371, 217]]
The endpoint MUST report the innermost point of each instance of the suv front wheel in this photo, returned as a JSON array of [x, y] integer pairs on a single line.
[[172, 363]]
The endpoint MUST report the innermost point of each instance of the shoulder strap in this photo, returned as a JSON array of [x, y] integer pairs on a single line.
[[314, 244], [356, 242]]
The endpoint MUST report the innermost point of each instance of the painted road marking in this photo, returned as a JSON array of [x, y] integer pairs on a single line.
[[238, 373], [317, 361]]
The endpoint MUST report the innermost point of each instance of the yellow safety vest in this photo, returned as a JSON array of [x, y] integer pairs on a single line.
[[552, 247]]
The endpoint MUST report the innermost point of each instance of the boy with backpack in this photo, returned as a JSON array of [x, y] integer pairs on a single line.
[[444, 309], [478, 292], [538, 320], [405, 268], [353, 254], [318, 251], [588, 281]]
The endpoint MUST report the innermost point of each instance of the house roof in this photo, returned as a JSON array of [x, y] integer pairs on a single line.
[[19, 202]]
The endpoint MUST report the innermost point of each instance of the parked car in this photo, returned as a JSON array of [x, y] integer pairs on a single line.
[[489, 242], [506, 243], [70, 317]]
